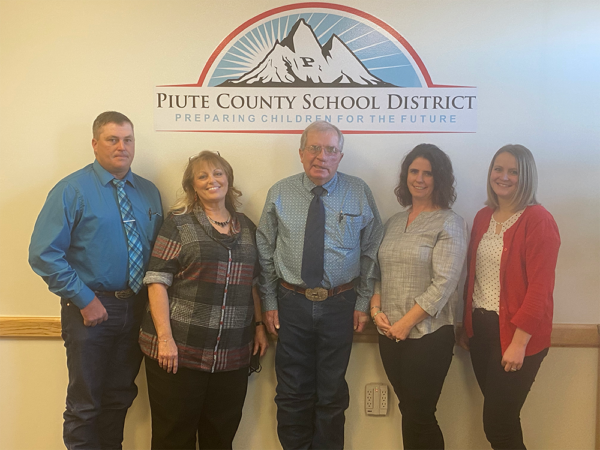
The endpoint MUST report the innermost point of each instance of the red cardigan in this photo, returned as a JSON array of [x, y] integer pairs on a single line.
[[526, 276]]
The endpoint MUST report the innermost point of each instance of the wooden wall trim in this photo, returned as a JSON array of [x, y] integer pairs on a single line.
[[30, 326], [563, 335]]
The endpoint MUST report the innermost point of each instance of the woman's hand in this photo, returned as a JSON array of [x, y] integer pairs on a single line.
[[382, 322], [260, 340], [168, 355], [512, 359], [460, 337], [400, 330]]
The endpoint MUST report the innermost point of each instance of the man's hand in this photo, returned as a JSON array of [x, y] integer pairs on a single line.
[[94, 313], [271, 319], [360, 320]]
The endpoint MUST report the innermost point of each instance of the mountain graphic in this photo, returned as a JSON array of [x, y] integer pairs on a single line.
[[300, 61]]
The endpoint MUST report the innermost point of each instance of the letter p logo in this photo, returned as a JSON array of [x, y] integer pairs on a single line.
[[308, 62]]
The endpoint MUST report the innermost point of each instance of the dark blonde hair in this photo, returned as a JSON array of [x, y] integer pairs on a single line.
[[528, 178], [185, 203]]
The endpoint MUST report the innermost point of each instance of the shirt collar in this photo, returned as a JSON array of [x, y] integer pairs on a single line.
[[329, 186], [106, 177]]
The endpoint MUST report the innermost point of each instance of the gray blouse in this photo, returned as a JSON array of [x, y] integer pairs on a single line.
[[422, 263]]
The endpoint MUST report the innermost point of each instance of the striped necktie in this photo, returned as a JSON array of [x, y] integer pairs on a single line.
[[134, 244]]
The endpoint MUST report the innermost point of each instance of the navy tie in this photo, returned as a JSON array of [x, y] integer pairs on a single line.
[[314, 241], [134, 243]]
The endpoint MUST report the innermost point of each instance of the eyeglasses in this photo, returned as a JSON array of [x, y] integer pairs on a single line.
[[316, 149]]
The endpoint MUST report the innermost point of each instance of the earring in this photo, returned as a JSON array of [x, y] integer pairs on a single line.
[[196, 198]]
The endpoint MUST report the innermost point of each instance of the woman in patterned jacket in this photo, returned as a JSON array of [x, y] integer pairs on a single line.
[[204, 319]]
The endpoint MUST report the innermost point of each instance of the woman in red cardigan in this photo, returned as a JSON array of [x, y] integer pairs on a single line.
[[508, 294]]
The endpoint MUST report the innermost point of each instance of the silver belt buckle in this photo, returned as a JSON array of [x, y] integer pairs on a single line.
[[317, 294], [125, 293]]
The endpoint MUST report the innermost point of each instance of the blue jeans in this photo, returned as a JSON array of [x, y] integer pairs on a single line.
[[313, 350], [103, 362]]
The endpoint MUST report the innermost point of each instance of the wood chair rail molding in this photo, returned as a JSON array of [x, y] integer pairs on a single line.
[[563, 335], [29, 327]]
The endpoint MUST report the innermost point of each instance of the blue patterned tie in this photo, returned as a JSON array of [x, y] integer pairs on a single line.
[[134, 244], [313, 254]]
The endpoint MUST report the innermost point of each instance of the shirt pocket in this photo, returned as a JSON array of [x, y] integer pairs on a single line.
[[348, 230]]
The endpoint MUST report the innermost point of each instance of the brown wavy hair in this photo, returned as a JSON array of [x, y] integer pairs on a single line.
[[444, 194]]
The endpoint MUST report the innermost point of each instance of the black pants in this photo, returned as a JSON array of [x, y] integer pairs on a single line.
[[417, 369], [193, 402], [504, 392]]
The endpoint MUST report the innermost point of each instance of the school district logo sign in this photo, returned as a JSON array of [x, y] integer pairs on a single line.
[[295, 64]]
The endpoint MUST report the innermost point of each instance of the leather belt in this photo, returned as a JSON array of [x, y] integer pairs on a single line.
[[125, 293], [318, 294]]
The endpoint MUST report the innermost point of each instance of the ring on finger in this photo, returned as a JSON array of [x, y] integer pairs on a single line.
[[514, 369]]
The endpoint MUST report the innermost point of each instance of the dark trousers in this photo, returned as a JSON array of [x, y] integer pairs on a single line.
[[192, 402], [504, 392], [103, 362], [417, 368], [313, 350]]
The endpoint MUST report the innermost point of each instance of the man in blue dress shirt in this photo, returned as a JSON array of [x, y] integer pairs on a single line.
[[82, 250], [315, 323]]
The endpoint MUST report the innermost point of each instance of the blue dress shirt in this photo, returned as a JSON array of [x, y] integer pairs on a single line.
[[353, 232], [79, 244]]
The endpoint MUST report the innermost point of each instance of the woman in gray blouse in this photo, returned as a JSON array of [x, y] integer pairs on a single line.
[[414, 306]]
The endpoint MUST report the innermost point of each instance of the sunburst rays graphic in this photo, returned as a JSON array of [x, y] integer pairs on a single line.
[[380, 55]]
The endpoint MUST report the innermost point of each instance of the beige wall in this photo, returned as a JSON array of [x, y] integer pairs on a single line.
[[537, 68], [559, 413]]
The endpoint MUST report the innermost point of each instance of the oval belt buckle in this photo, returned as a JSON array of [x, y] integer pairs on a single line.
[[125, 293], [317, 294]]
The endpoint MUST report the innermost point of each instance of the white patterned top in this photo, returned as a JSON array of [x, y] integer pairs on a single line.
[[486, 293]]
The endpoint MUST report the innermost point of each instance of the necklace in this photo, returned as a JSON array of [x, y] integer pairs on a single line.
[[221, 224]]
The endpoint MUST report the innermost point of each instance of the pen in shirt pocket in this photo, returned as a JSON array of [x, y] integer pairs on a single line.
[[150, 214], [342, 214]]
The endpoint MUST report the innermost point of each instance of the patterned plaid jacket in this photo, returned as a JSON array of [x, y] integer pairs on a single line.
[[209, 278]]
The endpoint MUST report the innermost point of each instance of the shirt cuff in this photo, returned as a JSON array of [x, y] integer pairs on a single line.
[[428, 307], [158, 277], [269, 304], [362, 304], [83, 297]]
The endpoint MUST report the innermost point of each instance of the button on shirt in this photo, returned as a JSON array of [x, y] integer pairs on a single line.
[[353, 232], [79, 245], [486, 293]]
